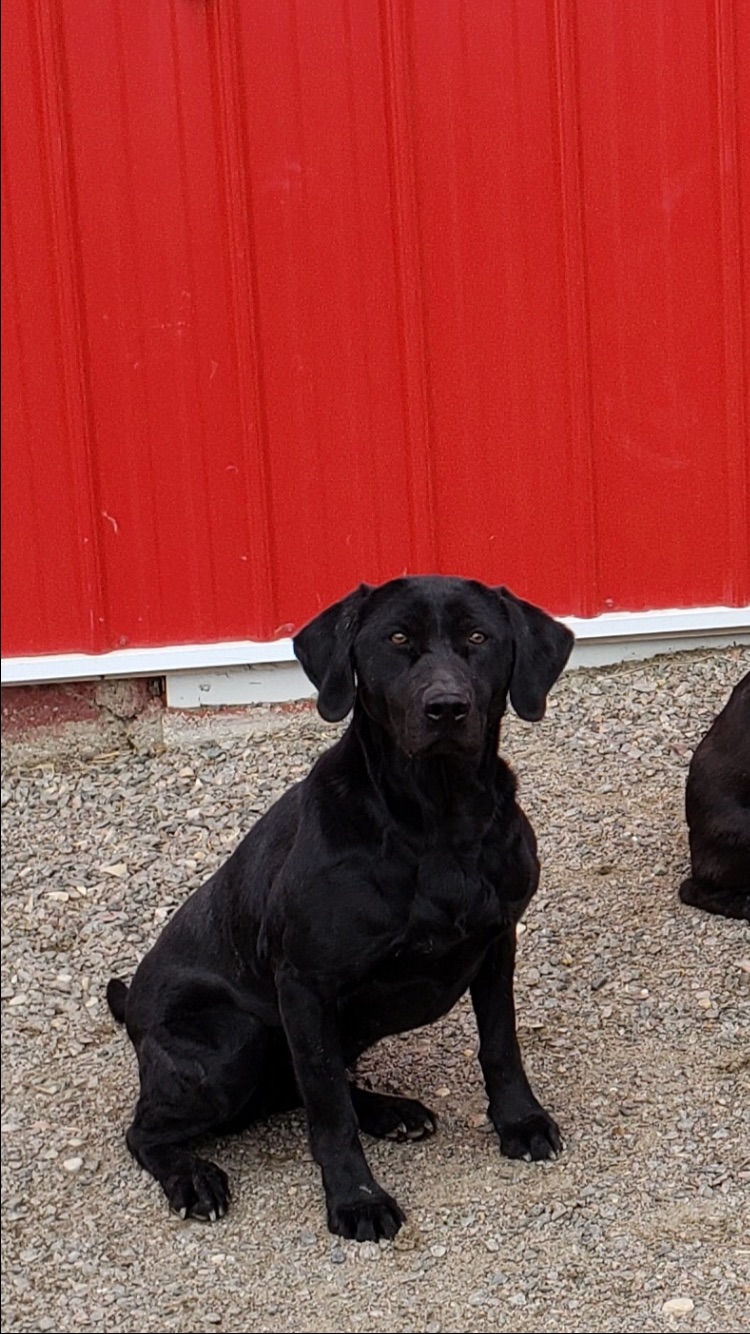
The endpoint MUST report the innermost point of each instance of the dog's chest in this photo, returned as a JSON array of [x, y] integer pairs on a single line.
[[450, 900], [431, 952]]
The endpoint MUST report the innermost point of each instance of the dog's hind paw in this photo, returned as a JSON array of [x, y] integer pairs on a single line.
[[533, 1137], [722, 902], [202, 1192], [366, 1220], [385, 1116]]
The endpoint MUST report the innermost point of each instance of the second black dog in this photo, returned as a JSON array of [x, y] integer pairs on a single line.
[[717, 806], [366, 901]]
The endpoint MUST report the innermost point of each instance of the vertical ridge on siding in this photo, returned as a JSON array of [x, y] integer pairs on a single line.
[[399, 90], [21, 563], [241, 265], [565, 75], [72, 334], [188, 387], [726, 21]]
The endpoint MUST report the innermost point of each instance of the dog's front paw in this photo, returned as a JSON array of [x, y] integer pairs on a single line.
[[200, 1192], [533, 1137], [376, 1215]]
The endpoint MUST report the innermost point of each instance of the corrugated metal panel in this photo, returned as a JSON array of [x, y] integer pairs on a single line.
[[305, 292], [660, 153]]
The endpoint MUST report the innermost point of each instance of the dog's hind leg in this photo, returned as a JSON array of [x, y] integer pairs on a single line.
[[176, 1106], [189, 1090], [386, 1116]]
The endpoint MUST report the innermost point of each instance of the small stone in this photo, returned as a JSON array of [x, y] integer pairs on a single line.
[[117, 869], [407, 1238], [337, 1256], [73, 1164], [678, 1306], [442, 1092]]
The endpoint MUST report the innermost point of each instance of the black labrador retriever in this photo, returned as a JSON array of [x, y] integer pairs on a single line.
[[717, 807], [366, 901]]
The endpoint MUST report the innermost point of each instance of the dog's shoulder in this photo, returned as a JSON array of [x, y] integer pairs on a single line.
[[718, 779], [725, 748]]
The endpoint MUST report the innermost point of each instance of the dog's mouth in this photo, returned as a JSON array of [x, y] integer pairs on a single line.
[[442, 719], [459, 741]]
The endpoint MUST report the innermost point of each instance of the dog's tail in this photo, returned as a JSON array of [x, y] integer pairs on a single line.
[[117, 995]]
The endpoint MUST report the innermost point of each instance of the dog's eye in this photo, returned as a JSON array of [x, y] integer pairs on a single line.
[[398, 638], [477, 637]]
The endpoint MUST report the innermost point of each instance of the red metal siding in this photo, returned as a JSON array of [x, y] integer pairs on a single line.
[[305, 292]]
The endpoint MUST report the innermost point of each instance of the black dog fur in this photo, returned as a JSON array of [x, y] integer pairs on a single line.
[[717, 807], [366, 901]]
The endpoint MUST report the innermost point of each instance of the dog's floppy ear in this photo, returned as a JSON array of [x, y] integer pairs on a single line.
[[542, 648], [324, 647]]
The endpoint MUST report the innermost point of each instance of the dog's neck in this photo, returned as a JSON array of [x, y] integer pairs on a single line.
[[443, 788]]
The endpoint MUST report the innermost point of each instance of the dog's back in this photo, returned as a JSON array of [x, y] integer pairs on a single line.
[[193, 941]]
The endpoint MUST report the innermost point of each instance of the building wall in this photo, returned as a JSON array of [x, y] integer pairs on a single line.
[[304, 292]]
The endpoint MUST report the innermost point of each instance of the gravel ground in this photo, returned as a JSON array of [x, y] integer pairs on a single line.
[[633, 1015]]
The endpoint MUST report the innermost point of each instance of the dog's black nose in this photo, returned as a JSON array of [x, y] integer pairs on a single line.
[[443, 706]]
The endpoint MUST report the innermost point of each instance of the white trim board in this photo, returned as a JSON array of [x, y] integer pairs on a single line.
[[250, 672], [281, 682]]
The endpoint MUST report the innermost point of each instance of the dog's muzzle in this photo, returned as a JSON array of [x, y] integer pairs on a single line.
[[442, 718]]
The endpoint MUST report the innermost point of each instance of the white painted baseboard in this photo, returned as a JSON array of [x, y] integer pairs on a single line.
[[271, 683], [249, 672]]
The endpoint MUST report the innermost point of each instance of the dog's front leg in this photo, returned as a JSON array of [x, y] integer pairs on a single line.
[[357, 1205], [525, 1129]]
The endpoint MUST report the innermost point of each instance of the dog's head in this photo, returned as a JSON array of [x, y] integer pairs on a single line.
[[433, 659]]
